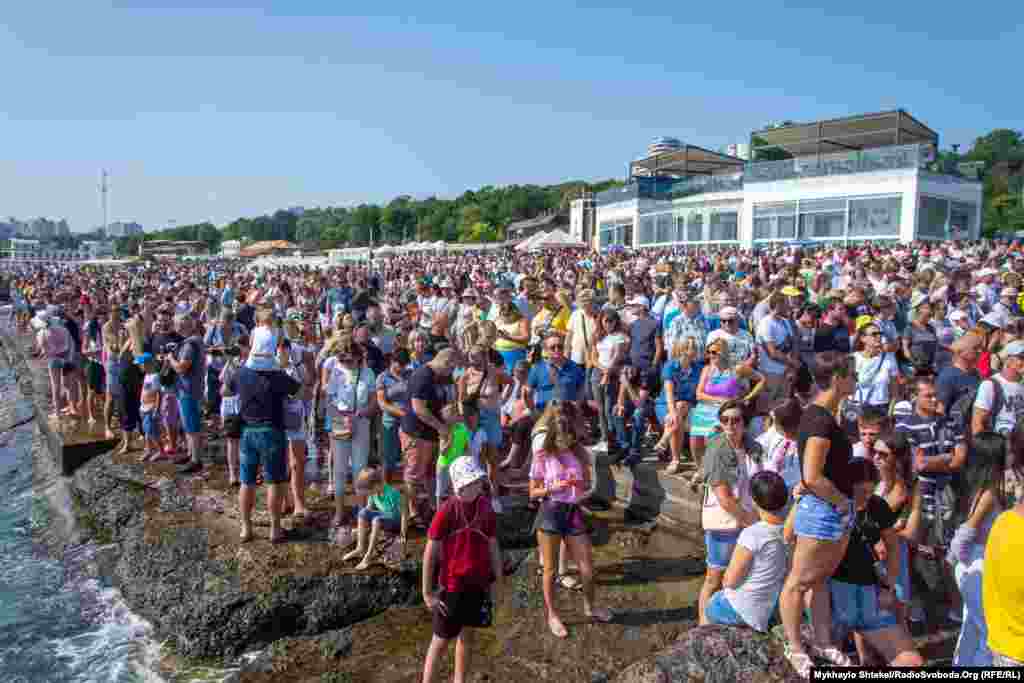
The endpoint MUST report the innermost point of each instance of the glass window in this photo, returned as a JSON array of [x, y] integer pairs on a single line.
[[961, 219], [647, 230], [680, 228], [724, 226], [663, 230], [931, 217], [775, 220], [814, 225], [695, 228], [875, 217]]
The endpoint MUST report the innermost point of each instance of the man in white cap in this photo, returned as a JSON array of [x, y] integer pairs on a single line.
[[463, 539], [1006, 306], [741, 343], [998, 409]]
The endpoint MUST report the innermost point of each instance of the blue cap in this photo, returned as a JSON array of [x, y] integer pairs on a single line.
[[141, 360]]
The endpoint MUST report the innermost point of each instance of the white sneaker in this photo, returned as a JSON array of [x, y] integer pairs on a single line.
[[600, 447], [955, 616], [496, 506], [917, 613]]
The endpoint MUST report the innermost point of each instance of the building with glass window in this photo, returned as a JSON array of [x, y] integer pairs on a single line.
[[842, 180]]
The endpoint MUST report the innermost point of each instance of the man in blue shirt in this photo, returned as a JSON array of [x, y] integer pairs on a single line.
[[556, 377]]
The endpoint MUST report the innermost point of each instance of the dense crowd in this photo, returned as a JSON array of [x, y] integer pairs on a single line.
[[852, 417]]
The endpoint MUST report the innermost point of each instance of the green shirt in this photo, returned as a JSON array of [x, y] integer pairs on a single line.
[[460, 441], [389, 502]]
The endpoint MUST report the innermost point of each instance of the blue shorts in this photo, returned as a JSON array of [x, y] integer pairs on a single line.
[[151, 424], [720, 611], [188, 408], [512, 357], [855, 608], [391, 447], [386, 523], [818, 519], [720, 545], [263, 447], [490, 422]]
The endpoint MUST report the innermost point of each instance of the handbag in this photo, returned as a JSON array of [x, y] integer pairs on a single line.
[[713, 517], [853, 409]]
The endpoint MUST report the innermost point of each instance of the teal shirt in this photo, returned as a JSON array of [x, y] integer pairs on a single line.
[[389, 502]]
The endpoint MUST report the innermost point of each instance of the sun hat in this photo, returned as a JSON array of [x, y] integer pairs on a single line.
[[1014, 348], [464, 471], [790, 290], [470, 292], [863, 321], [263, 350]]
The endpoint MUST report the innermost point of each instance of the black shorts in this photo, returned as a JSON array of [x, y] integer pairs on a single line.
[[472, 609], [233, 427], [560, 519]]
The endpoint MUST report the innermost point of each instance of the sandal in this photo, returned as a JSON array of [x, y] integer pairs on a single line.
[[568, 582], [674, 467], [800, 661], [832, 654], [558, 629]]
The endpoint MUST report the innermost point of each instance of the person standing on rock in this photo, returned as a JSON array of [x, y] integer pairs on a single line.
[[262, 389], [190, 364], [463, 544]]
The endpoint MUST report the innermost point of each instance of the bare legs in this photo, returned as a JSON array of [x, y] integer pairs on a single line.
[[246, 501], [297, 455], [232, 457]]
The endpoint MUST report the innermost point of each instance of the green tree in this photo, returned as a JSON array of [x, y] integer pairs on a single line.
[[767, 153], [999, 145]]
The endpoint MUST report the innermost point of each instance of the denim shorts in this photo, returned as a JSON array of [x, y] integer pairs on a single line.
[[720, 545], [188, 406], [386, 523], [855, 607], [819, 519], [263, 447], [560, 519], [720, 611], [490, 422], [151, 424]]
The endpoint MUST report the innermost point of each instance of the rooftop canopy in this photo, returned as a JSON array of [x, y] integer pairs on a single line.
[[864, 131], [685, 161]]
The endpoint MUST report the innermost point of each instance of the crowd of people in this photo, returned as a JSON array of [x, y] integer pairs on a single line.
[[851, 417]]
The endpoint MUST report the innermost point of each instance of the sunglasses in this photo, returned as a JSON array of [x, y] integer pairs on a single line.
[[876, 333]]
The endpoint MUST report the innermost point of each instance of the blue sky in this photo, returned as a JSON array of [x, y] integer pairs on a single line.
[[211, 114]]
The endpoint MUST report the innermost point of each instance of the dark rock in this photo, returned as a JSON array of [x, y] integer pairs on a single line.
[[336, 644], [714, 654]]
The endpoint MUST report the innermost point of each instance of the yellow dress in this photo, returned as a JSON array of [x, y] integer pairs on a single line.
[[1003, 586]]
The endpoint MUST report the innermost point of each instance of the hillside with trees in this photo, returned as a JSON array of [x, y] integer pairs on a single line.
[[475, 216]]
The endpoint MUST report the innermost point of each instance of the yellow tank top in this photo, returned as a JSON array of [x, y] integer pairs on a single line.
[[505, 344], [1003, 586]]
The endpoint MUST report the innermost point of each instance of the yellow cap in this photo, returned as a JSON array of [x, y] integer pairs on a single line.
[[863, 321]]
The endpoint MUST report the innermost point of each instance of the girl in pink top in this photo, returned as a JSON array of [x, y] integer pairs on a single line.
[[559, 479]]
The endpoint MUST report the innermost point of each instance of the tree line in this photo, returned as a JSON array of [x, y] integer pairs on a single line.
[[475, 216]]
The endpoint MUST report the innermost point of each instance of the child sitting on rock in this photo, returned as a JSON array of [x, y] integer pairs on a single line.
[[384, 510], [463, 541], [758, 567], [463, 439]]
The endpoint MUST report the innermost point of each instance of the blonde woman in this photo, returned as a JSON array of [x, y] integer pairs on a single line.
[[679, 380], [513, 335], [720, 382]]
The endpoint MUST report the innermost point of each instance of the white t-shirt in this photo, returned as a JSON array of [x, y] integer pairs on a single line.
[[778, 332], [1012, 407], [873, 378], [755, 598], [606, 347]]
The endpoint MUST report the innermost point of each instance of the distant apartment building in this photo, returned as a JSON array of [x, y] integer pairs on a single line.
[[37, 228], [123, 229], [230, 248]]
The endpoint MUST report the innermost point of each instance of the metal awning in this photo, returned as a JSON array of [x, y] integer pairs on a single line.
[[864, 131], [685, 161]]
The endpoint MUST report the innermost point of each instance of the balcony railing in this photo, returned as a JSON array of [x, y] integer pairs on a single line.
[[845, 163], [704, 184]]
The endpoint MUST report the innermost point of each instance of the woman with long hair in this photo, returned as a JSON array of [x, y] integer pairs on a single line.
[[823, 517], [983, 499], [559, 478], [892, 453], [720, 382], [679, 380], [609, 353], [877, 375]]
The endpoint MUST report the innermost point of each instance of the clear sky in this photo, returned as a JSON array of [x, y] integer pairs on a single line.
[[211, 114]]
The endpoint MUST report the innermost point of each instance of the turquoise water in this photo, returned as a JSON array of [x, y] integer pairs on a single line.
[[56, 623]]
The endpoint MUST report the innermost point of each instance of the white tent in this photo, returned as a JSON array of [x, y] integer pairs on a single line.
[[556, 239], [528, 243], [386, 250]]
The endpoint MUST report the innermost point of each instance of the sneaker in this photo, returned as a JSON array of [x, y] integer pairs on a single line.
[[600, 447], [917, 613], [955, 617], [497, 506]]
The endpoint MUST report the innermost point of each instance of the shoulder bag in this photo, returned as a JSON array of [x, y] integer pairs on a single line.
[[713, 517]]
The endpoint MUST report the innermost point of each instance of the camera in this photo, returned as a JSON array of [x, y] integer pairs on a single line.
[[170, 348], [233, 351]]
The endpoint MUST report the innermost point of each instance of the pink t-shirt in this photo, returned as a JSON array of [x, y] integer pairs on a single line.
[[553, 468]]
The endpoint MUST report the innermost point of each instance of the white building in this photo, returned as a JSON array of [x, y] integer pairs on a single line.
[[123, 229], [230, 248], [94, 249], [876, 189]]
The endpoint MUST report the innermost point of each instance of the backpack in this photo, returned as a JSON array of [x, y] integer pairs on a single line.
[[961, 414]]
